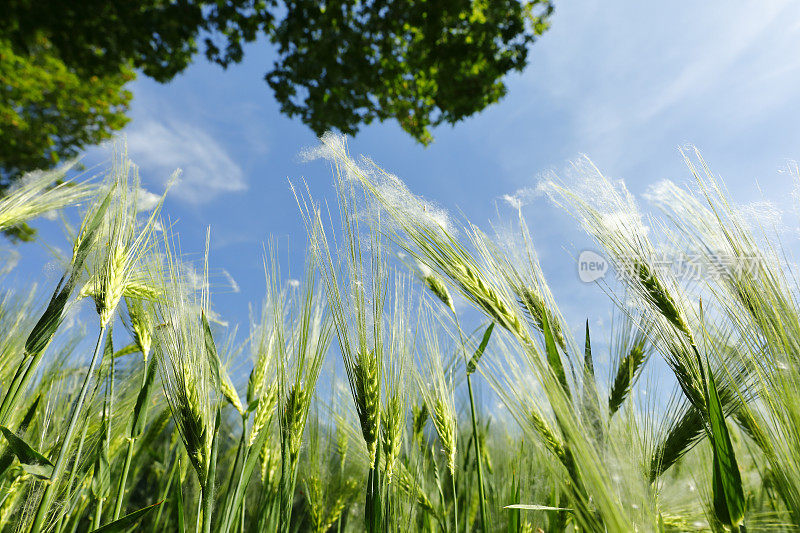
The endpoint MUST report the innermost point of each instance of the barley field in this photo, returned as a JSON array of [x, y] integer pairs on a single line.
[[155, 430]]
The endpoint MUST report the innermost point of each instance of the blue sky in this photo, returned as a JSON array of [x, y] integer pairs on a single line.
[[626, 83]]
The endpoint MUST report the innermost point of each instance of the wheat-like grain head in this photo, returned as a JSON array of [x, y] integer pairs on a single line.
[[184, 361], [437, 388], [356, 295], [116, 269], [395, 372], [139, 321], [41, 192], [262, 348], [302, 331], [367, 394], [264, 412]]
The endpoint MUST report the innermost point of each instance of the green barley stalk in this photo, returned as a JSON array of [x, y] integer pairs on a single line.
[[439, 289], [140, 324], [301, 349], [122, 242], [424, 232], [101, 478], [185, 365], [43, 331], [618, 227], [60, 464], [395, 394], [755, 293], [395, 372], [632, 349], [359, 324], [262, 397], [437, 388]]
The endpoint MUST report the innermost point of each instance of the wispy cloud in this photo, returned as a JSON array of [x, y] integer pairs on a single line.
[[232, 285], [160, 147], [146, 200], [626, 81]]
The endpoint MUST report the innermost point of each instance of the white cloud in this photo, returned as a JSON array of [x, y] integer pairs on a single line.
[[159, 148], [233, 286], [9, 258], [623, 80], [521, 197], [146, 200], [195, 281]]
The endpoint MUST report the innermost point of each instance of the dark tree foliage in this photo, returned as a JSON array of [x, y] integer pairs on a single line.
[[345, 63], [49, 112], [340, 63], [159, 37]]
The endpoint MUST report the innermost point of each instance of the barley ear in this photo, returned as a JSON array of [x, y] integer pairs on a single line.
[[221, 376], [367, 387]]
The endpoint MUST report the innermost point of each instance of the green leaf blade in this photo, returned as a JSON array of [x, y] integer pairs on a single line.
[[24, 452], [472, 365], [729, 501], [121, 525], [553, 357]]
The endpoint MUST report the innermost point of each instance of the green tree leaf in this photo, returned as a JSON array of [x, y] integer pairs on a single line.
[[50, 111], [340, 64]]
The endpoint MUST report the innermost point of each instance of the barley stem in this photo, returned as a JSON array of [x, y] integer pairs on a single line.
[[78, 454], [98, 514], [373, 499], [288, 480], [455, 499], [11, 392], [232, 495], [126, 466], [475, 439], [478, 455], [198, 522], [208, 488], [20, 383], [58, 469], [170, 477]]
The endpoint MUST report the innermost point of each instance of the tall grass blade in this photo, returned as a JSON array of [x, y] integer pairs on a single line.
[[32, 461], [590, 403], [729, 501], [7, 457], [472, 365], [553, 356], [126, 522]]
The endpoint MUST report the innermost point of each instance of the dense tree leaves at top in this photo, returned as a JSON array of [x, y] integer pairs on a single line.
[[49, 111], [345, 63], [157, 36], [340, 63]]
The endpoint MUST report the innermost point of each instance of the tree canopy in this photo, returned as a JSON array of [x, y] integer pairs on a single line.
[[49, 112], [340, 63], [345, 63]]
